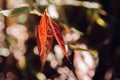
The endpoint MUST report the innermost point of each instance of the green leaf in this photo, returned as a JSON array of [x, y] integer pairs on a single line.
[[77, 48], [20, 10], [94, 53], [101, 22]]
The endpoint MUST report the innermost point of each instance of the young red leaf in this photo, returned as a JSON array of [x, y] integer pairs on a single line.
[[44, 39], [47, 48], [42, 33], [58, 36]]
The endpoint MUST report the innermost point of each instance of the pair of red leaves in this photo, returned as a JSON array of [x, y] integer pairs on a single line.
[[47, 29]]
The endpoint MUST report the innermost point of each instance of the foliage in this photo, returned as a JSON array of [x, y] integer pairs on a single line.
[[29, 30]]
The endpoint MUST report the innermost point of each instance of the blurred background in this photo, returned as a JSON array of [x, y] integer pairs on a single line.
[[91, 31]]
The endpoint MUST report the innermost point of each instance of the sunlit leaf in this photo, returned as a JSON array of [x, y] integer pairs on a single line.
[[42, 36], [45, 35], [94, 53], [44, 39], [47, 47], [40, 76], [101, 22], [42, 33], [20, 10], [22, 62], [58, 36], [77, 48]]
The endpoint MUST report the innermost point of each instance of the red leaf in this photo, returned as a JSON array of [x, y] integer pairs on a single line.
[[42, 33], [44, 39], [47, 48], [58, 36]]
